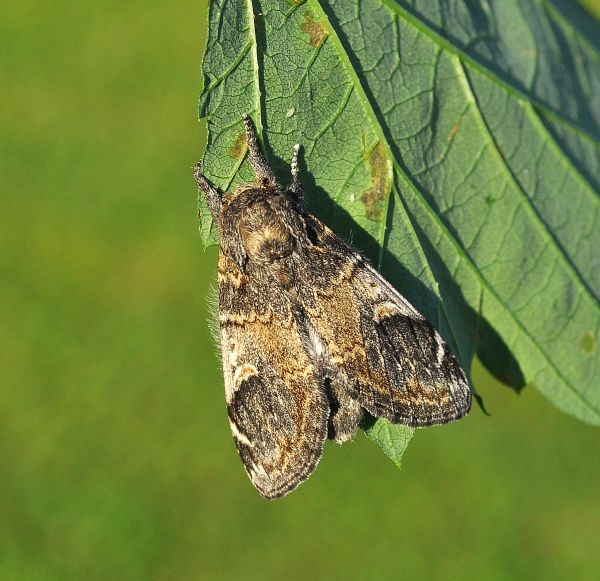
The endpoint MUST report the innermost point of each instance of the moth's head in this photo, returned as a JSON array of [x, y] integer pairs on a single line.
[[258, 219]]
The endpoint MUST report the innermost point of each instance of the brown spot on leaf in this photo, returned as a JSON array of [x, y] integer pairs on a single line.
[[317, 34], [238, 149], [588, 343], [455, 129], [381, 180], [296, 3]]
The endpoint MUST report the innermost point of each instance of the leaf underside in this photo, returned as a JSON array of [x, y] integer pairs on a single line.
[[457, 145]]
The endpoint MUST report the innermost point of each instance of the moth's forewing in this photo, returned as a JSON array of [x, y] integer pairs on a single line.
[[387, 356], [277, 408]]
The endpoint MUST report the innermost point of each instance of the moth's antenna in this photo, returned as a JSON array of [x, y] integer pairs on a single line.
[[255, 156], [212, 193]]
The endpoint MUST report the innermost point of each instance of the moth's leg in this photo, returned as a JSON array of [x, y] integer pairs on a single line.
[[256, 158], [213, 195], [295, 187]]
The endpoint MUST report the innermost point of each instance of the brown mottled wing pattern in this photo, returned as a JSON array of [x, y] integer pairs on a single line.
[[384, 355], [277, 406]]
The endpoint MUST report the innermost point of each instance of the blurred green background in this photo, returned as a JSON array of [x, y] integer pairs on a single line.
[[116, 460]]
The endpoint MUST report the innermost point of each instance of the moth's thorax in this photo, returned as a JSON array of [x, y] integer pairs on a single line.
[[257, 215]]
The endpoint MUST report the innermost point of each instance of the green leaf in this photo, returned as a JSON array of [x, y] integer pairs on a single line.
[[393, 439], [455, 144]]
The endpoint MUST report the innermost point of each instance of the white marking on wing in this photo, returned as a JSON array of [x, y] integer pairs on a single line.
[[243, 372], [440, 349], [238, 435]]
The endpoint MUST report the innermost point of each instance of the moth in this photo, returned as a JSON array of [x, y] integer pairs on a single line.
[[312, 336]]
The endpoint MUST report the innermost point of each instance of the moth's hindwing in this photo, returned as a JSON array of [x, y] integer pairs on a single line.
[[276, 403], [386, 354]]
